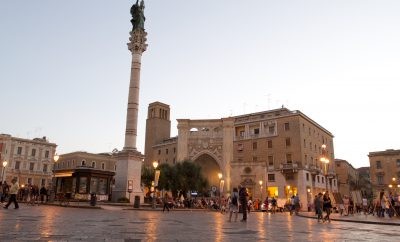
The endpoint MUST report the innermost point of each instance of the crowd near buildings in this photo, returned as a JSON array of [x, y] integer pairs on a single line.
[[275, 153]]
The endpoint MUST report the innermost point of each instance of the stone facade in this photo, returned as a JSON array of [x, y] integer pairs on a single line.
[[29, 160], [385, 170], [280, 148], [348, 178]]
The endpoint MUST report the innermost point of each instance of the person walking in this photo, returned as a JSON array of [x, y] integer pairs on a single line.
[[233, 201], [13, 194], [318, 204], [327, 207], [243, 202], [166, 202]]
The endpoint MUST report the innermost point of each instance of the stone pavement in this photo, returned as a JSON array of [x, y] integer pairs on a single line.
[[114, 223], [358, 218]]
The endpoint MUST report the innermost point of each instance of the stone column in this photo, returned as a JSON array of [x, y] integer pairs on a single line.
[[183, 138], [129, 161], [227, 149], [137, 46]]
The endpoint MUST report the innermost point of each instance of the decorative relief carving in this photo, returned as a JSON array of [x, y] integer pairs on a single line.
[[137, 42], [210, 145]]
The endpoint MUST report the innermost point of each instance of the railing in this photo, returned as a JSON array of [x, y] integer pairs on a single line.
[[289, 167]]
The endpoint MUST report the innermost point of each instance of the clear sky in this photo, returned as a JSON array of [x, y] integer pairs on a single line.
[[65, 66]]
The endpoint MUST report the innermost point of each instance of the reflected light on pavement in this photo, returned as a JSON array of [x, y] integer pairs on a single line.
[[218, 218]]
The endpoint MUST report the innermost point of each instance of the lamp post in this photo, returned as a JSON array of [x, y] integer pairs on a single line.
[[324, 159], [53, 183], [4, 169], [261, 193], [220, 187], [155, 165]]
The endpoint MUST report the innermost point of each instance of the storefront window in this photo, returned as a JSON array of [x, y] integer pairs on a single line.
[[102, 186], [273, 192], [94, 182], [82, 184]]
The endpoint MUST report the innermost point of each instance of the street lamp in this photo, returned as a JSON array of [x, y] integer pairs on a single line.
[[53, 183], [155, 165], [4, 169], [324, 159], [261, 193]]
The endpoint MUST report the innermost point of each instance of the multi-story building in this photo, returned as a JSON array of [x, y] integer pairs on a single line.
[[82, 173], [275, 153], [28, 160], [348, 178], [385, 171]]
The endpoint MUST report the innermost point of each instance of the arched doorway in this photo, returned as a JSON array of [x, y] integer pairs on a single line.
[[209, 169]]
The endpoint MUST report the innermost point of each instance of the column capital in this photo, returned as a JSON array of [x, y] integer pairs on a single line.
[[137, 44]]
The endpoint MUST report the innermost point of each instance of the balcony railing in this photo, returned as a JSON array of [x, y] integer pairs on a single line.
[[289, 167]]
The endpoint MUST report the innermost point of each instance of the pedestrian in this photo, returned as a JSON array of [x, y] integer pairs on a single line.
[[233, 201], [273, 205], [6, 190], [318, 204], [13, 194], [327, 205], [297, 204], [43, 194], [166, 202], [243, 201]]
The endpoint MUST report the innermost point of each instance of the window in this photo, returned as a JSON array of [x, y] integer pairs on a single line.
[[256, 131], [30, 180], [254, 158], [271, 177], [310, 146], [159, 152], [166, 151], [17, 165], [45, 168], [318, 179], [269, 142], [46, 154], [307, 176], [83, 163], [43, 182], [304, 143], [240, 147], [380, 179], [271, 129], [287, 141], [93, 164], [33, 153], [289, 158], [19, 151], [398, 162], [254, 145], [242, 133], [103, 166], [270, 160], [174, 150], [323, 179], [31, 166], [338, 164], [287, 127], [115, 167], [378, 164]]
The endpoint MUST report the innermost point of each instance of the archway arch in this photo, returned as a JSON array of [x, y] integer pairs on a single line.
[[209, 168]]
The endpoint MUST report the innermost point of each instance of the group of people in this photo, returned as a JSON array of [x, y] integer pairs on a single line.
[[323, 203], [14, 193]]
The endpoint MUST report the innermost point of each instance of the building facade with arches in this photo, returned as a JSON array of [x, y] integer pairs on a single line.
[[272, 153]]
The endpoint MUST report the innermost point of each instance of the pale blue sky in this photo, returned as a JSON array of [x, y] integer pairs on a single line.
[[65, 66]]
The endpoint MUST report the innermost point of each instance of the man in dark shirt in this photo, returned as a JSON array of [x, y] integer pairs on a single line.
[[243, 201]]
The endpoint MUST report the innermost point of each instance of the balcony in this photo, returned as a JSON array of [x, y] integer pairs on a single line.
[[289, 167]]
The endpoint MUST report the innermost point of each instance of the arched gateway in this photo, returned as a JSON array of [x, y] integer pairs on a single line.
[[209, 143]]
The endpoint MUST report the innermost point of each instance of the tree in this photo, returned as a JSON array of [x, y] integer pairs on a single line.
[[147, 176]]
